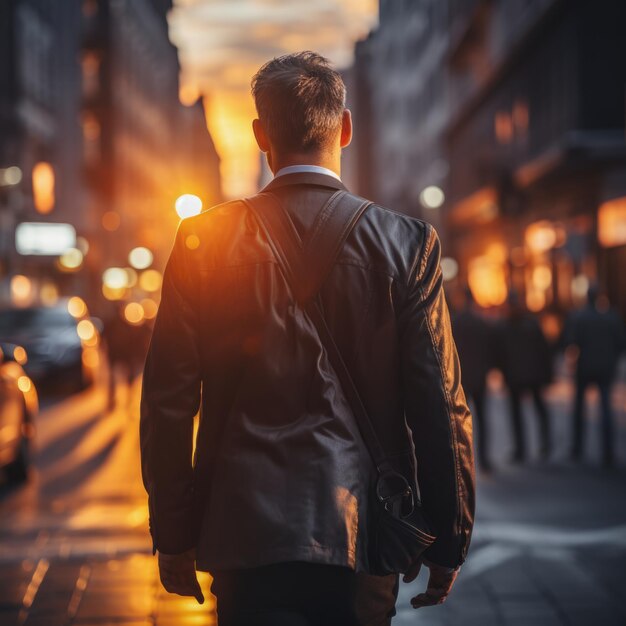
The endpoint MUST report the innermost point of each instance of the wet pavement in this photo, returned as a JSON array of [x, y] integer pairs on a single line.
[[549, 544]]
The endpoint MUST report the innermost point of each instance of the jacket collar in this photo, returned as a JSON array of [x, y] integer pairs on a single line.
[[304, 178]]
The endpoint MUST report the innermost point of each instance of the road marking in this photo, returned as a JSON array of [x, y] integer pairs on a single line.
[[550, 536]]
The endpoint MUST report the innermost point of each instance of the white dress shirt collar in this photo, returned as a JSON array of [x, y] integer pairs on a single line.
[[299, 169]]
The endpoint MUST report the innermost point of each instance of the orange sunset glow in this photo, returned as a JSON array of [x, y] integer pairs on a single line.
[[221, 45]]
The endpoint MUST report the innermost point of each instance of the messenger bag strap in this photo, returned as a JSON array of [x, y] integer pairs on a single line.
[[306, 272]]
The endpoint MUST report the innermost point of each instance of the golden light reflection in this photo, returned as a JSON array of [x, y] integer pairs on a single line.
[[76, 307], [535, 300], [22, 291], [24, 384], [612, 223], [113, 293], [91, 358], [71, 259], [221, 51], [140, 258], [487, 281], [115, 278], [229, 117], [540, 236], [541, 277], [20, 356], [86, 330], [43, 187], [150, 280], [134, 313]]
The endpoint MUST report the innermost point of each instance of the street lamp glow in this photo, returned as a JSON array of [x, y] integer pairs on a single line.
[[449, 268], [10, 176], [71, 259], [432, 197], [140, 258], [115, 278], [188, 205], [150, 280]]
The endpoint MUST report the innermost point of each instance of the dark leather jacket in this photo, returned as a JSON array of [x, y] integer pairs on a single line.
[[280, 472]]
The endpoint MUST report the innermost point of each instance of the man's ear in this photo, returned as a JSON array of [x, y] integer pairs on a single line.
[[260, 135], [346, 128]]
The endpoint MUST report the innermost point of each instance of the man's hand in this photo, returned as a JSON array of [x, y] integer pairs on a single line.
[[440, 583], [178, 574]]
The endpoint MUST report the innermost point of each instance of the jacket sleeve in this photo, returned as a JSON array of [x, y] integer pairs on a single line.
[[436, 410], [170, 399]]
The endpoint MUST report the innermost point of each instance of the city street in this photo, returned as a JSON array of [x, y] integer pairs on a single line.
[[548, 547]]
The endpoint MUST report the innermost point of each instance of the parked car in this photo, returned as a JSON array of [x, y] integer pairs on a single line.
[[61, 341], [18, 408]]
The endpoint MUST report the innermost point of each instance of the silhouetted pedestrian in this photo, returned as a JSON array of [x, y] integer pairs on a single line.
[[597, 332], [526, 362], [474, 339], [127, 345]]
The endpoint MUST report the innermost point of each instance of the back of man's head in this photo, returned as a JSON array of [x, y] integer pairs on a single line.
[[300, 101]]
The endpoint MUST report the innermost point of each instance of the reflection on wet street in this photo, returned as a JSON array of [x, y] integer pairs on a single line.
[[74, 542], [74, 545]]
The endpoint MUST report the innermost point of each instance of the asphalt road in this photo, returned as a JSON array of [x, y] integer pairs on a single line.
[[549, 544]]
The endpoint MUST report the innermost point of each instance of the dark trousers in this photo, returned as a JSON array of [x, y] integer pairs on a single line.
[[604, 387], [515, 397], [303, 594], [478, 399]]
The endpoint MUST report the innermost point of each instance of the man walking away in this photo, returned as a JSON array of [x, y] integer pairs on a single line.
[[597, 332], [276, 501], [474, 339], [526, 362]]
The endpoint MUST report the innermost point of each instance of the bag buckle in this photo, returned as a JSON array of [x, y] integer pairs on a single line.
[[395, 494]]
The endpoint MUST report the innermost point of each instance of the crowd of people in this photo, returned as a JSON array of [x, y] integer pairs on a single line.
[[517, 346]]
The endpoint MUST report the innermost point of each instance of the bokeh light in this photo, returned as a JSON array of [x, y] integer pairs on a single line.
[[432, 197], [76, 307], [140, 258], [43, 187], [86, 330], [22, 291], [20, 356], [188, 205], [134, 313], [150, 280], [24, 384], [115, 278], [71, 259]]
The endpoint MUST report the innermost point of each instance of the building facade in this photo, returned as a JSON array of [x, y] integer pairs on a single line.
[[92, 134], [537, 150], [398, 95], [515, 109]]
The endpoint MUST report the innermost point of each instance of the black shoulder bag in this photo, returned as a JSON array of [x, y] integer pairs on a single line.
[[399, 533]]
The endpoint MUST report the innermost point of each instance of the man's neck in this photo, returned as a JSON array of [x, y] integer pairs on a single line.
[[328, 160]]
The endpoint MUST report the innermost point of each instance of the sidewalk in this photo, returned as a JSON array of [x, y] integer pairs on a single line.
[[548, 549], [549, 544]]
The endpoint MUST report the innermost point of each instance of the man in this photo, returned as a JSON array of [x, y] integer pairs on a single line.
[[597, 332], [275, 503], [474, 339], [526, 362]]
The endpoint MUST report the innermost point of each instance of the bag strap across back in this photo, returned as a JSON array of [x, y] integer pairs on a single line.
[[305, 271]]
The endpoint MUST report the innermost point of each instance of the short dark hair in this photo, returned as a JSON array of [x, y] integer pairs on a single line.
[[300, 100]]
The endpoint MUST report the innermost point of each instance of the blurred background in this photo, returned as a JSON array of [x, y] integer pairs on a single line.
[[502, 122]]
